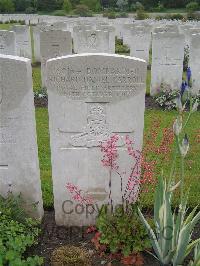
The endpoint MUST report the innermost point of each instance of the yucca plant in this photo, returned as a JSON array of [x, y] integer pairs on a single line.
[[196, 261], [171, 239]]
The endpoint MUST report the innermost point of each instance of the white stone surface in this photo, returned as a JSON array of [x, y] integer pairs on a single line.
[[140, 41], [19, 166], [53, 44], [36, 38], [195, 63], [167, 60], [23, 41], [111, 31], [7, 42], [92, 41], [91, 97]]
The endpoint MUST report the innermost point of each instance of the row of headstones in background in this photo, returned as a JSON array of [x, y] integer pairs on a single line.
[[80, 103], [16, 42], [86, 39], [167, 53]]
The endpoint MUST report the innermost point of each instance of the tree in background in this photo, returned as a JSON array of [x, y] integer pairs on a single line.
[[22, 5], [67, 6], [47, 5], [192, 7], [7, 6], [93, 5], [122, 4]]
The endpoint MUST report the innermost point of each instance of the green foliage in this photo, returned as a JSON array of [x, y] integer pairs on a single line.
[[196, 260], [192, 6], [61, 13], [6, 6], [171, 239], [93, 5], [122, 4], [141, 14], [160, 7], [67, 6], [30, 10], [120, 47], [122, 15], [166, 98], [47, 5], [17, 233], [122, 231], [83, 11], [12, 206], [110, 15], [171, 17]]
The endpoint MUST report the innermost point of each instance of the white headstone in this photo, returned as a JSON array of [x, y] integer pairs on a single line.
[[53, 44], [7, 42], [140, 41], [19, 166], [36, 38], [111, 31], [92, 97], [195, 63], [167, 61], [90, 41], [23, 41]]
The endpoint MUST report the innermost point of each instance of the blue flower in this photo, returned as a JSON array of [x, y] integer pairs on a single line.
[[189, 74], [183, 87]]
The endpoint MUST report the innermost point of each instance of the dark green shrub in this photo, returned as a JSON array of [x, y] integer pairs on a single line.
[[30, 10], [83, 11], [67, 6], [110, 15], [160, 7], [122, 15], [192, 6], [17, 233], [122, 231], [171, 17], [141, 14]]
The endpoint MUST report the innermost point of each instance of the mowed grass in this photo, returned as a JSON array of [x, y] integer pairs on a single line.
[[192, 162]]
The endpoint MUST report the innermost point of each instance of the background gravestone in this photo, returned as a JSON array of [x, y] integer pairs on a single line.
[[92, 41], [19, 166], [194, 62], [92, 97], [23, 41], [167, 61], [53, 43], [7, 42]]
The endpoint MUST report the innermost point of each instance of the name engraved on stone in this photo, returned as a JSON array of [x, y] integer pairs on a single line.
[[97, 83]]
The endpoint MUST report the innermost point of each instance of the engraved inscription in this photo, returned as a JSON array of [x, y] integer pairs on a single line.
[[98, 83], [95, 131]]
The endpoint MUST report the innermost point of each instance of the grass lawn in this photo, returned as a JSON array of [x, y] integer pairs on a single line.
[[192, 165]]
